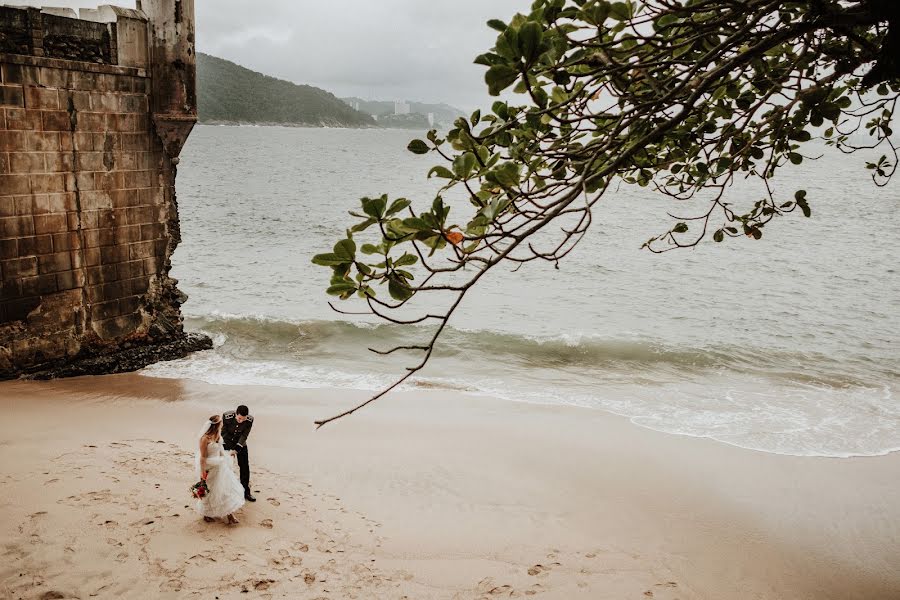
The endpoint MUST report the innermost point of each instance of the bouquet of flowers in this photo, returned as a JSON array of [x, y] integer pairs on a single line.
[[200, 490]]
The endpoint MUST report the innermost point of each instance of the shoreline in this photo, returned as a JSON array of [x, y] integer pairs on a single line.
[[451, 496]]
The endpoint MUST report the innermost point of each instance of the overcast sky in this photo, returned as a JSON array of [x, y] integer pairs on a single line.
[[381, 49]]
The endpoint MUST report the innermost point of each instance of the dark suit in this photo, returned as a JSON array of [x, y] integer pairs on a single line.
[[234, 437]]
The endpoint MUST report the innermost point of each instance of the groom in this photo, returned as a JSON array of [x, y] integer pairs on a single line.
[[236, 426]]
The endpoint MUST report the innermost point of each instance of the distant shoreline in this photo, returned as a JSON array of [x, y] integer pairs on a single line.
[[302, 125]]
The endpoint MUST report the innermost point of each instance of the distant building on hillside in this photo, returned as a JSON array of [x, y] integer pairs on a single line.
[[401, 108], [431, 119]]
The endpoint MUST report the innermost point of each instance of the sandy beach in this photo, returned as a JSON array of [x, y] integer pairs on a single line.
[[426, 494]]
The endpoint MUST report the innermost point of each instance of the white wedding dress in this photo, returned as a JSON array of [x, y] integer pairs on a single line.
[[226, 494]]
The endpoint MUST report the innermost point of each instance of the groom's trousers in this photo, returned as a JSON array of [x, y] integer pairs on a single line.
[[244, 465]]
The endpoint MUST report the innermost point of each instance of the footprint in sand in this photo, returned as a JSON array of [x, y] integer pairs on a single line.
[[543, 570], [273, 502], [267, 523]]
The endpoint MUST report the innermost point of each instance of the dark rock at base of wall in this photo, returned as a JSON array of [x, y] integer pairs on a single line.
[[123, 361]]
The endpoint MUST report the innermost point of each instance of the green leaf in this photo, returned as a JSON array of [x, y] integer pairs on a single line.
[[440, 172], [680, 228], [363, 226], [406, 260], [800, 196], [329, 260], [416, 224], [399, 290], [418, 147], [339, 289], [718, 236], [346, 250], [497, 24], [463, 165], [398, 205], [530, 35], [795, 158], [506, 174], [370, 249], [498, 78]]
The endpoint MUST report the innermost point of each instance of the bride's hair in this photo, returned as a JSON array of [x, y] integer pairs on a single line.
[[215, 425]]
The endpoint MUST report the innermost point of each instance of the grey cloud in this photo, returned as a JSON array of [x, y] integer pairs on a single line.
[[386, 49]]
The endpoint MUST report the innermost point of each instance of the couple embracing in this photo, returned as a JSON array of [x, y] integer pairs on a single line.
[[223, 435]]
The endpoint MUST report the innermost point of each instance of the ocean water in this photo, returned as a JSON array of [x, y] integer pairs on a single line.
[[786, 345]]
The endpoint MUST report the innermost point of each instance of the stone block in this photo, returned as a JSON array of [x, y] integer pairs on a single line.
[[91, 255], [89, 161], [11, 73], [107, 218], [25, 205], [85, 182], [91, 239], [65, 242], [48, 183], [107, 141], [152, 231], [84, 80], [133, 103], [56, 120], [140, 285], [107, 238], [135, 142], [20, 267], [47, 141], [40, 204], [138, 179], [21, 119], [56, 78], [59, 162], [14, 141], [40, 285], [66, 281], [109, 255], [90, 121], [141, 250], [128, 235], [63, 203], [95, 200], [140, 215], [15, 185], [4, 163], [9, 249], [130, 270], [49, 224], [26, 162], [54, 263], [83, 141], [114, 180], [40, 98], [36, 245], [80, 101], [103, 311], [65, 142], [11, 95], [153, 265], [8, 206], [16, 227], [104, 102]]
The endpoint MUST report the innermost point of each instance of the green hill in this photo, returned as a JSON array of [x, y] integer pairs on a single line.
[[229, 93]]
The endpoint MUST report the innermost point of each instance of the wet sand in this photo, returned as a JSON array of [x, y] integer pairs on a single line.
[[425, 494]]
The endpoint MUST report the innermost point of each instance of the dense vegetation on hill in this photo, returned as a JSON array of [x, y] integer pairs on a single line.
[[230, 93]]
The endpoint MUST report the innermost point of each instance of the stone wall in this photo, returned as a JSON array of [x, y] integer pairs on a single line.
[[88, 217]]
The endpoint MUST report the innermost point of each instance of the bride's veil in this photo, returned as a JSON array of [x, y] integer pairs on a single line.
[[200, 435]]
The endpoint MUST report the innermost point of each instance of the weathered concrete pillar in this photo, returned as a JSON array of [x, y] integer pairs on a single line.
[[173, 68]]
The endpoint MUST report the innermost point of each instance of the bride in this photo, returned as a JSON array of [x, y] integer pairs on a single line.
[[226, 494]]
